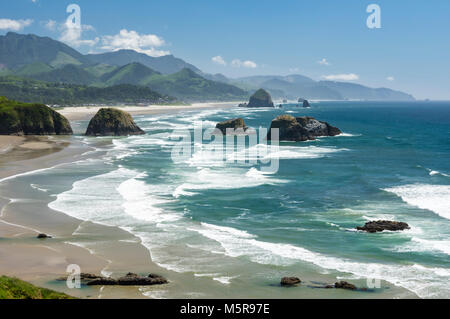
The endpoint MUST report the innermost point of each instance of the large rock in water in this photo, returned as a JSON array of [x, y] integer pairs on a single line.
[[260, 98], [301, 128], [112, 122], [235, 124], [18, 118], [380, 225]]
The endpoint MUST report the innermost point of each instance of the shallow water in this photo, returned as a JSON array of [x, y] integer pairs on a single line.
[[243, 229]]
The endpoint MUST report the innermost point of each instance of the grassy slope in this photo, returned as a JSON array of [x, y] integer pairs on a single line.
[[13, 288]]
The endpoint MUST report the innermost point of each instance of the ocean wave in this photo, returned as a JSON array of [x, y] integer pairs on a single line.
[[425, 282], [435, 198]]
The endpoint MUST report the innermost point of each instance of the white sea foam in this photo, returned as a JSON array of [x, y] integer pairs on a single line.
[[433, 173], [141, 203], [231, 178], [431, 197]]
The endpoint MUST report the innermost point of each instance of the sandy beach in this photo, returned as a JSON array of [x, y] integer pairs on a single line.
[[86, 112]]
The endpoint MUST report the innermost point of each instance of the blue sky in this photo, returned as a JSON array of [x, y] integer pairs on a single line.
[[323, 39]]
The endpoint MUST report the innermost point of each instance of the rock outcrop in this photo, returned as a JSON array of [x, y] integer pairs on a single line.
[[301, 128], [18, 118], [129, 279], [260, 98], [234, 124], [380, 225], [112, 122], [290, 281], [306, 103]]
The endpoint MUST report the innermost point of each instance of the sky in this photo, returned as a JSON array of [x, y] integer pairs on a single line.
[[322, 39]]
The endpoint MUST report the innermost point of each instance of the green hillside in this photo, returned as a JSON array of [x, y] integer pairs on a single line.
[[27, 90], [13, 288], [67, 74], [133, 73]]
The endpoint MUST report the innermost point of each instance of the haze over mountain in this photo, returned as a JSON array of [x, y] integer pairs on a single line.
[[45, 59]]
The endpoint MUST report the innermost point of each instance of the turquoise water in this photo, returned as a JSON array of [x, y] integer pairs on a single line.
[[229, 221]]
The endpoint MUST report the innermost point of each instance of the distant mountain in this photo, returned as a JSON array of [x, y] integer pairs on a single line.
[[167, 64], [295, 86], [17, 50], [360, 92], [45, 59], [190, 86]]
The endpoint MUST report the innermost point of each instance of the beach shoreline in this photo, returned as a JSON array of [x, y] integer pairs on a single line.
[[78, 113], [40, 262], [25, 212]]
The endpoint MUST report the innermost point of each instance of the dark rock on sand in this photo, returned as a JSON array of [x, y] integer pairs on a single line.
[[235, 124], [260, 98], [301, 128], [290, 281], [43, 236], [112, 122], [380, 225], [129, 279]]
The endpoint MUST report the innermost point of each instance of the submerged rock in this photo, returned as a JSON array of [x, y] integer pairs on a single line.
[[112, 122], [344, 285], [380, 225], [235, 124], [290, 281], [260, 98], [301, 128]]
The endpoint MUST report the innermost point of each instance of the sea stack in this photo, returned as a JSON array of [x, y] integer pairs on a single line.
[[112, 122], [234, 124], [306, 103], [301, 128], [260, 98], [17, 118]]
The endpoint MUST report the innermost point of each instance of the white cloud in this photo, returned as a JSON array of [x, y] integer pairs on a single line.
[[390, 78], [294, 70], [218, 60], [15, 25], [131, 40], [323, 62], [72, 34], [245, 64], [341, 77], [50, 25]]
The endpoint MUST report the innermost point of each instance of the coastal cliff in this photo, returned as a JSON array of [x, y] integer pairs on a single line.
[[18, 118]]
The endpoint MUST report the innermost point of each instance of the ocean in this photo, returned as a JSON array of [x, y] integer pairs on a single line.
[[244, 229]]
